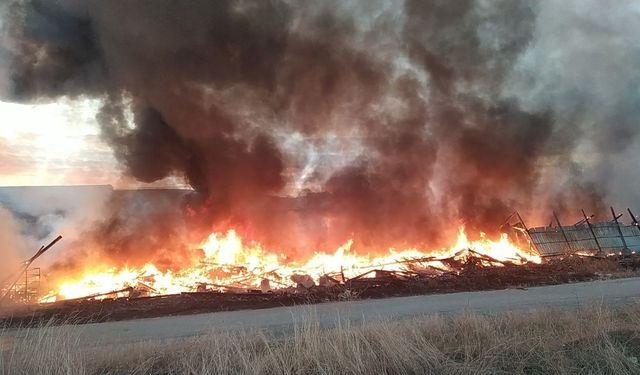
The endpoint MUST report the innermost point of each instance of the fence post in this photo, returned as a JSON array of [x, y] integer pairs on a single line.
[[624, 242], [633, 218], [532, 242], [592, 232], [566, 239]]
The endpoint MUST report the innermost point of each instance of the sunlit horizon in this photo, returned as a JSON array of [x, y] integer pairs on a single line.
[[59, 144]]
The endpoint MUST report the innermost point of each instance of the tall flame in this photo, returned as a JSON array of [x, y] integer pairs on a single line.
[[229, 263]]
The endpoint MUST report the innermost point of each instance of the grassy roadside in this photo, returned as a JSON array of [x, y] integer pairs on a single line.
[[594, 340]]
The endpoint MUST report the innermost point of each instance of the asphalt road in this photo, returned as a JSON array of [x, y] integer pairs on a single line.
[[283, 319]]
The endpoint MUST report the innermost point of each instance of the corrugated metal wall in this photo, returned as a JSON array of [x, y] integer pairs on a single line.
[[551, 241]]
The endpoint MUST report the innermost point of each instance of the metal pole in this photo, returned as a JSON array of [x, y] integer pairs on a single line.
[[592, 232], [624, 242], [528, 233], [633, 218], [566, 239]]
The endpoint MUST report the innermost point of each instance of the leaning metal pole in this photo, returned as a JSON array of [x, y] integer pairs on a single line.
[[625, 249], [26, 264], [564, 234], [593, 233], [532, 243]]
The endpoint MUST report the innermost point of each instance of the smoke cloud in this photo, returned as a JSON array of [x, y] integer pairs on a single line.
[[302, 124], [13, 244]]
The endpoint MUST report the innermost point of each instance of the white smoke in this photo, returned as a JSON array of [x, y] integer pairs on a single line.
[[582, 66], [46, 212], [14, 245]]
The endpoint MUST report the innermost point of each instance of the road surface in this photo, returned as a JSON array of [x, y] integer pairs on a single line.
[[282, 319]]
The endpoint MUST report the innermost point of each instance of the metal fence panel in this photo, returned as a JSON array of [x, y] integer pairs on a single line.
[[551, 241]]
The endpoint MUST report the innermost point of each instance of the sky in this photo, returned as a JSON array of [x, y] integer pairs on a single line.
[[53, 144], [58, 143]]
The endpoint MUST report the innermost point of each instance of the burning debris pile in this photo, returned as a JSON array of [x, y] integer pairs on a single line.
[[230, 274], [465, 270], [223, 263]]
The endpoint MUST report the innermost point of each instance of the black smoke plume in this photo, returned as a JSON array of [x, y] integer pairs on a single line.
[[305, 123]]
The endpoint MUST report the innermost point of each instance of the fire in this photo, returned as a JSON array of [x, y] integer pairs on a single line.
[[502, 249], [226, 262]]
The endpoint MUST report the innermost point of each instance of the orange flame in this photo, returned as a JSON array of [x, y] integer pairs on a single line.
[[229, 263]]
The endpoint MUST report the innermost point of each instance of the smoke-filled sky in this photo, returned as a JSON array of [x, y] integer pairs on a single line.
[[311, 122]]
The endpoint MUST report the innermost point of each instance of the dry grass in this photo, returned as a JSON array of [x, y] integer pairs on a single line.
[[596, 340]]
